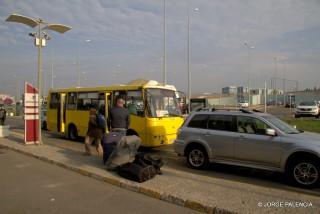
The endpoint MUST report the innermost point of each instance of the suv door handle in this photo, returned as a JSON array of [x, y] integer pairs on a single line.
[[241, 137], [207, 134]]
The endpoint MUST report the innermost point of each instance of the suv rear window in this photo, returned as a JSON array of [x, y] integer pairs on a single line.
[[198, 121], [221, 122]]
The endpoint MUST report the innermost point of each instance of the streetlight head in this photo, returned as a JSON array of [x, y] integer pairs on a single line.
[[196, 9], [23, 20], [88, 40], [57, 27], [47, 37], [252, 47], [32, 34]]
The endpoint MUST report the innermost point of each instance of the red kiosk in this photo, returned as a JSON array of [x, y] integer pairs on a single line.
[[31, 117]]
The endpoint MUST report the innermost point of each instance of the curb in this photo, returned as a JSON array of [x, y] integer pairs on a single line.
[[132, 186]]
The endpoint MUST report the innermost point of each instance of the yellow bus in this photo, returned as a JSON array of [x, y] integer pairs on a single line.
[[154, 110]]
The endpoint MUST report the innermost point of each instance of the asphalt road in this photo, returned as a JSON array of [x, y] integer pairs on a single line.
[[29, 185], [232, 173]]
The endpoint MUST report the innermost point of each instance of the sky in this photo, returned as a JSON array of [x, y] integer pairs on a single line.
[[126, 43]]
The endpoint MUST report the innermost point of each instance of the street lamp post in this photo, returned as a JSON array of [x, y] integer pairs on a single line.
[[284, 83], [78, 64], [275, 78], [249, 66], [189, 72], [164, 43], [40, 39]]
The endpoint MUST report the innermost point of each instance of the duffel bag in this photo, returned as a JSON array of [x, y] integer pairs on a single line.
[[145, 159], [136, 172]]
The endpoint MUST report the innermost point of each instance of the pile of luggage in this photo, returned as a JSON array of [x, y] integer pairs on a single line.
[[120, 154]]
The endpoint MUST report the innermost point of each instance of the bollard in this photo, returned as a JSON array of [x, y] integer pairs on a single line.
[[4, 131]]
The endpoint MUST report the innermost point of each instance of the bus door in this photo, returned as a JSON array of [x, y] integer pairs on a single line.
[[107, 106], [62, 113]]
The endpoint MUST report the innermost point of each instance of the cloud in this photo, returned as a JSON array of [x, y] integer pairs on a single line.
[[130, 33]]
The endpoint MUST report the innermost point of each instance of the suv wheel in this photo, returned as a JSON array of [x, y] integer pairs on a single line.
[[304, 172], [197, 157]]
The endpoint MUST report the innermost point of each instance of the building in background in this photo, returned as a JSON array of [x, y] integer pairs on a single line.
[[230, 90]]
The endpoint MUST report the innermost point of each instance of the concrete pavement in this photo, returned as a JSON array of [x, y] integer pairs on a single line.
[[199, 192], [33, 186]]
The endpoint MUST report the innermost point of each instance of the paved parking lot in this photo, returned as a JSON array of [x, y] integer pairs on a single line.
[[231, 173]]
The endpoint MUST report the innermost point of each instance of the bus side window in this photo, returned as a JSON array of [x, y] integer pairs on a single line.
[[134, 103], [122, 94], [83, 102], [72, 101], [54, 100]]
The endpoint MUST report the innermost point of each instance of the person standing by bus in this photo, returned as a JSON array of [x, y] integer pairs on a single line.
[[3, 114], [119, 119], [94, 133]]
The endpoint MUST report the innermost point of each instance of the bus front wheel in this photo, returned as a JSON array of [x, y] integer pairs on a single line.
[[73, 132]]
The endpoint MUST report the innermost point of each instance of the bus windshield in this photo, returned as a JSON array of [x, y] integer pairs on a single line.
[[162, 103]]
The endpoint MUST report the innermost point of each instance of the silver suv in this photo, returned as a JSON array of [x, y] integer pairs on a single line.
[[250, 139]]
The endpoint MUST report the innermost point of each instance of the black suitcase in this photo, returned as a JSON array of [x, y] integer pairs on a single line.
[[136, 172], [109, 143]]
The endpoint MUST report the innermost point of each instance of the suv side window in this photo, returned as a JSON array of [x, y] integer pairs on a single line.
[[198, 121], [251, 125], [221, 122]]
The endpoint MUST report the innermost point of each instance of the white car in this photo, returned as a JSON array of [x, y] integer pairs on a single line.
[[309, 108], [243, 104]]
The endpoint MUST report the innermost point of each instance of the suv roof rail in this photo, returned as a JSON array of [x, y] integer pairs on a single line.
[[203, 109], [245, 111], [256, 110], [233, 109]]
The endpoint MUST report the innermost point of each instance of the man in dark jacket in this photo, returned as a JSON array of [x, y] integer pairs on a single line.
[[119, 119], [94, 133]]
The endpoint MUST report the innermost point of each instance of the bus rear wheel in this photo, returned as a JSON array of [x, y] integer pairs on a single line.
[[72, 132]]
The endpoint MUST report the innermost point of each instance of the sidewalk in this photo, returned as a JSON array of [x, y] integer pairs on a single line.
[[198, 192]]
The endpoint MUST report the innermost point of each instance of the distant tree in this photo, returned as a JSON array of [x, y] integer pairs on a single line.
[[8, 101]]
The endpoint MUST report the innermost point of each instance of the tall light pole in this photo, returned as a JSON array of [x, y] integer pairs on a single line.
[[189, 72], [164, 43], [40, 38], [78, 64], [249, 68], [17, 87], [275, 78], [284, 82], [52, 61]]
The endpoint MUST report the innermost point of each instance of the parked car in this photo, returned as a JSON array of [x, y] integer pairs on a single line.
[[250, 139], [309, 108], [244, 104], [293, 105], [273, 103]]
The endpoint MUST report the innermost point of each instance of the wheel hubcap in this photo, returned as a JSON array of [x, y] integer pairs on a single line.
[[196, 158], [305, 173]]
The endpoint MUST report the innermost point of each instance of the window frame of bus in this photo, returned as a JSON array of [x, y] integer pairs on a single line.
[[75, 101], [86, 106], [54, 105], [124, 94], [146, 92]]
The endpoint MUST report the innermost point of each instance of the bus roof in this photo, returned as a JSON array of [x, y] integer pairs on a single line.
[[133, 85]]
